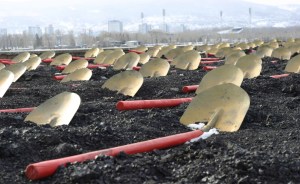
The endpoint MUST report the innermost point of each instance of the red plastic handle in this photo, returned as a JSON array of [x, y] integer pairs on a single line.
[[137, 68], [148, 104], [208, 68], [188, 89], [47, 60], [27, 109], [210, 59], [47, 168], [135, 51], [279, 76], [59, 77]]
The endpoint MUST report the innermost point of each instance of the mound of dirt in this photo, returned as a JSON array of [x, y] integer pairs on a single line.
[[264, 150]]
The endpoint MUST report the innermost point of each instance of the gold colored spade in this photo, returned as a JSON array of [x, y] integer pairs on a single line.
[[223, 106], [20, 58], [47, 55], [233, 57], [17, 69], [141, 48], [75, 65], [101, 56], [174, 53], [93, 52], [83, 74], [32, 63], [62, 59], [264, 51], [155, 68], [6, 79], [126, 83], [56, 111], [113, 57], [144, 58], [2, 66], [127, 61], [189, 60], [221, 75], [251, 66], [282, 53], [293, 65]]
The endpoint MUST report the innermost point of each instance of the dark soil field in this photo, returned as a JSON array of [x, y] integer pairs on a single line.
[[265, 149]]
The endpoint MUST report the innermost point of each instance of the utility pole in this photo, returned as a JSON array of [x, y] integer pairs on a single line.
[[221, 18], [250, 17]]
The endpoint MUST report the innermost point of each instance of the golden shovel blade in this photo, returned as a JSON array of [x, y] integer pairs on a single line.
[[6, 79], [223, 52], [126, 83], [203, 48], [295, 48], [75, 65], [293, 65], [62, 59], [2, 66], [221, 75], [141, 48], [32, 56], [233, 57], [174, 53], [127, 61], [212, 50], [274, 44], [20, 58], [93, 52], [144, 58], [165, 50], [83, 74], [258, 42], [264, 51], [152, 52], [251, 66], [189, 60], [281, 53], [155, 68], [223, 107], [17, 69], [113, 57], [47, 55], [101, 56], [56, 111], [187, 48], [243, 45], [32, 63]]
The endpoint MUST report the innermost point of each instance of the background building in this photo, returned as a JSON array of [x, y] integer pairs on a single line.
[[115, 26], [49, 30], [34, 30], [144, 28]]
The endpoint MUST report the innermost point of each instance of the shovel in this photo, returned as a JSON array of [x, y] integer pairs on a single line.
[[155, 68], [112, 57], [20, 58], [293, 65], [83, 74], [75, 65], [56, 111], [282, 53], [127, 61], [17, 69], [223, 107], [221, 75], [47, 55], [63, 59], [126, 83], [6, 79], [101, 56], [187, 61], [93, 52], [32, 63], [251, 66]]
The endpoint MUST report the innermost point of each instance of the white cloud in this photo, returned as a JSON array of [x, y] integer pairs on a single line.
[[275, 2]]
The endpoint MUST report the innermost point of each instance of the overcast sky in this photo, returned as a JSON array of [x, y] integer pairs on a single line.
[[13, 13]]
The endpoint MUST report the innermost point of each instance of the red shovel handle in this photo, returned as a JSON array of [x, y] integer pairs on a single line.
[[148, 104], [135, 51], [28, 109], [47, 168], [7, 61], [59, 77], [208, 68], [188, 89], [210, 59], [279, 76], [47, 60]]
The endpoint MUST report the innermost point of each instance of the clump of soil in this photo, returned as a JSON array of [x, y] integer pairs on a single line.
[[264, 150]]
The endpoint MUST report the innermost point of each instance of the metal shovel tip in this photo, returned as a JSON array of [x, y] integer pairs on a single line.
[[221, 75], [101, 56], [126, 83], [293, 65], [251, 65], [32, 63], [17, 69], [56, 111], [127, 61], [281, 53], [83, 74], [75, 65], [223, 107], [155, 68], [93, 52], [47, 55], [113, 56], [62, 59], [188, 60], [6, 79], [21, 57]]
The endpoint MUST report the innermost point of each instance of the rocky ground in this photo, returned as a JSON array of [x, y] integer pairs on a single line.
[[264, 150]]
